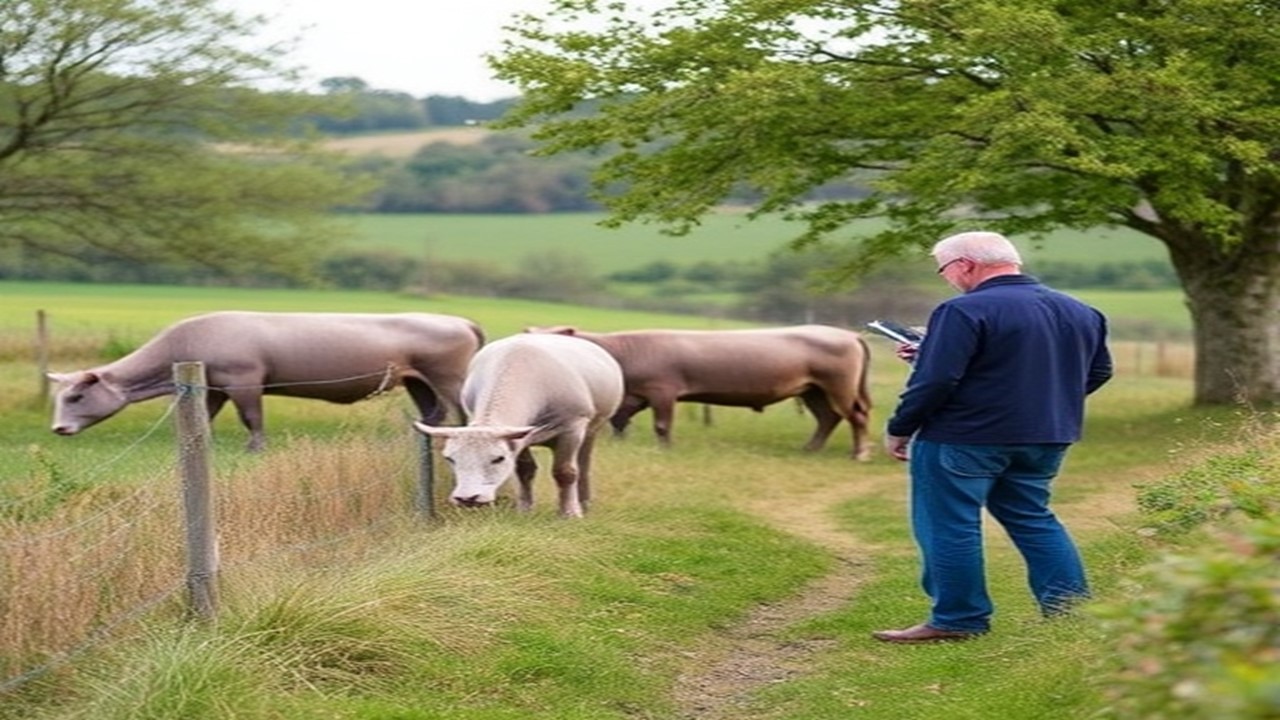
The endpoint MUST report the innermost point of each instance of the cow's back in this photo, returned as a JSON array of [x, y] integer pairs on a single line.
[[538, 379], [290, 347], [714, 358]]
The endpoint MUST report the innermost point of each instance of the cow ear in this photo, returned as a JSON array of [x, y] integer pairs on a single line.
[[60, 378], [90, 378]]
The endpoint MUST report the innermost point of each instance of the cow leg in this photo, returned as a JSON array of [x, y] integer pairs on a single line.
[[859, 419], [836, 406], [816, 400], [565, 470], [213, 402], [629, 407], [584, 472], [526, 468], [664, 411], [249, 407], [430, 408]]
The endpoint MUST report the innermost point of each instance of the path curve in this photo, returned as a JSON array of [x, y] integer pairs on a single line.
[[723, 672]]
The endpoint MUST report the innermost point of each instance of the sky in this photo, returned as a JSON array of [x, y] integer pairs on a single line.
[[421, 47]]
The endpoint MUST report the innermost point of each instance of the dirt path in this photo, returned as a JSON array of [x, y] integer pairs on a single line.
[[724, 672]]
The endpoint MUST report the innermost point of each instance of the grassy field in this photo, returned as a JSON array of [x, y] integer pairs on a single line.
[[126, 315], [731, 577], [504, 240], [123, 316]]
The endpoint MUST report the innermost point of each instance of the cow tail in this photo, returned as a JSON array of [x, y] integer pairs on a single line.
[[479, 334]]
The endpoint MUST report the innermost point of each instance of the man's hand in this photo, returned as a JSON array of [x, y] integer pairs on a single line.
[[907, 351], [896, 446]]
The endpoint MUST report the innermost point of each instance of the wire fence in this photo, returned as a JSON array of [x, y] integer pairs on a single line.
[[1153, 359], [108, 558], [80, 566]]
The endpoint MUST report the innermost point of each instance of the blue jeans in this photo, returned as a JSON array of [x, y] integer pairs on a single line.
[[950, 484]]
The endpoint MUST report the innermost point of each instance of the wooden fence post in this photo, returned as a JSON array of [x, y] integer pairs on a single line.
[[425, 502], [42, 354], [192, 418]]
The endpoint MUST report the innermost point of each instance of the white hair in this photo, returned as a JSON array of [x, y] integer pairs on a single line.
[[984, 248]]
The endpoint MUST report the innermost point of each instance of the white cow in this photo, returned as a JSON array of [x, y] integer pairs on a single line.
[[528, 390]]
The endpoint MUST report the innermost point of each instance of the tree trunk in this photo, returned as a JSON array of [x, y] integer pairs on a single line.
[[1234, 298]]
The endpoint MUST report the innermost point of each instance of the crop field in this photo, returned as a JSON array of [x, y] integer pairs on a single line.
[[405, 144], [505, 240]]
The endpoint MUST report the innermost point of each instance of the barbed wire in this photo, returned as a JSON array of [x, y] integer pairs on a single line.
[[132, 517], [91, 639], [386, 384], [98, 471]]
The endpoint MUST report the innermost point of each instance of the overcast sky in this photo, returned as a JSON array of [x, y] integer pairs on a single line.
[[422, 47]]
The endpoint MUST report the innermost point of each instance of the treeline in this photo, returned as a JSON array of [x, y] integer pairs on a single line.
[[502, 174], [370, 110], [499, 174]]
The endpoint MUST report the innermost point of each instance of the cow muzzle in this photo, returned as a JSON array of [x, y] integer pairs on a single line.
[[470, 501]]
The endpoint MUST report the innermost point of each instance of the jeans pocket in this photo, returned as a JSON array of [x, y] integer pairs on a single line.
[[973, 460]]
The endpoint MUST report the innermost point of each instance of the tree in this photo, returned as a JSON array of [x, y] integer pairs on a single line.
[[1016, 115], [365, 109], [130, 127]]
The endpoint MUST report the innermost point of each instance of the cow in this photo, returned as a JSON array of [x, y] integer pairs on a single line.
[[337, 357], [825, 367], [524, 391]]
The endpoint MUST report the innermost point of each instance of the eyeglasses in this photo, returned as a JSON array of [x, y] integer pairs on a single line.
[[948, 263]]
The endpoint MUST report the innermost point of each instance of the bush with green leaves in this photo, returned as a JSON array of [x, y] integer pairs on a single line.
[[1200, 635], [1203, 638]]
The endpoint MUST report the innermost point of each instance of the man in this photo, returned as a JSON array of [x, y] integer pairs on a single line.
[[995, 398]]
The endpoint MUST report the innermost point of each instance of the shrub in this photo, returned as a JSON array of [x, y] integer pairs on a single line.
[[1200, 637], [1203, 639]]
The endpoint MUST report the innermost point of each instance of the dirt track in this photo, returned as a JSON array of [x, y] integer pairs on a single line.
[[724, 672]]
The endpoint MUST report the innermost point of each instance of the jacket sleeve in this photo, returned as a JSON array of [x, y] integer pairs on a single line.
[[949, 343]]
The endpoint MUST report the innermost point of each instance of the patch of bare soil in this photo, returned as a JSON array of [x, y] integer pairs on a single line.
[[405, 144], [723, 672]]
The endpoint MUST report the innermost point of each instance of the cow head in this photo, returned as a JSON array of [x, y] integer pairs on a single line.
[[482, 458], [84, 399]]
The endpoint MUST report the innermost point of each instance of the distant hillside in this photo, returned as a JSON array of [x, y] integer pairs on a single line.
[[405, 144]]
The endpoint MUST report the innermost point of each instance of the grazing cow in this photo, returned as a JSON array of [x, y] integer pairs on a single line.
[[338, 357], [826, 367], [528, 390]]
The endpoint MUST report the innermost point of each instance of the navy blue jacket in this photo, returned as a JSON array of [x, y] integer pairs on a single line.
[[1008, 362]]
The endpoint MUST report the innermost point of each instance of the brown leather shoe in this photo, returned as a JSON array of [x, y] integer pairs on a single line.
[[923, 633]]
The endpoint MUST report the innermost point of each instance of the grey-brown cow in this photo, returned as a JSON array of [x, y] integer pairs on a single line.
[[826, 367], [337, 357]]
